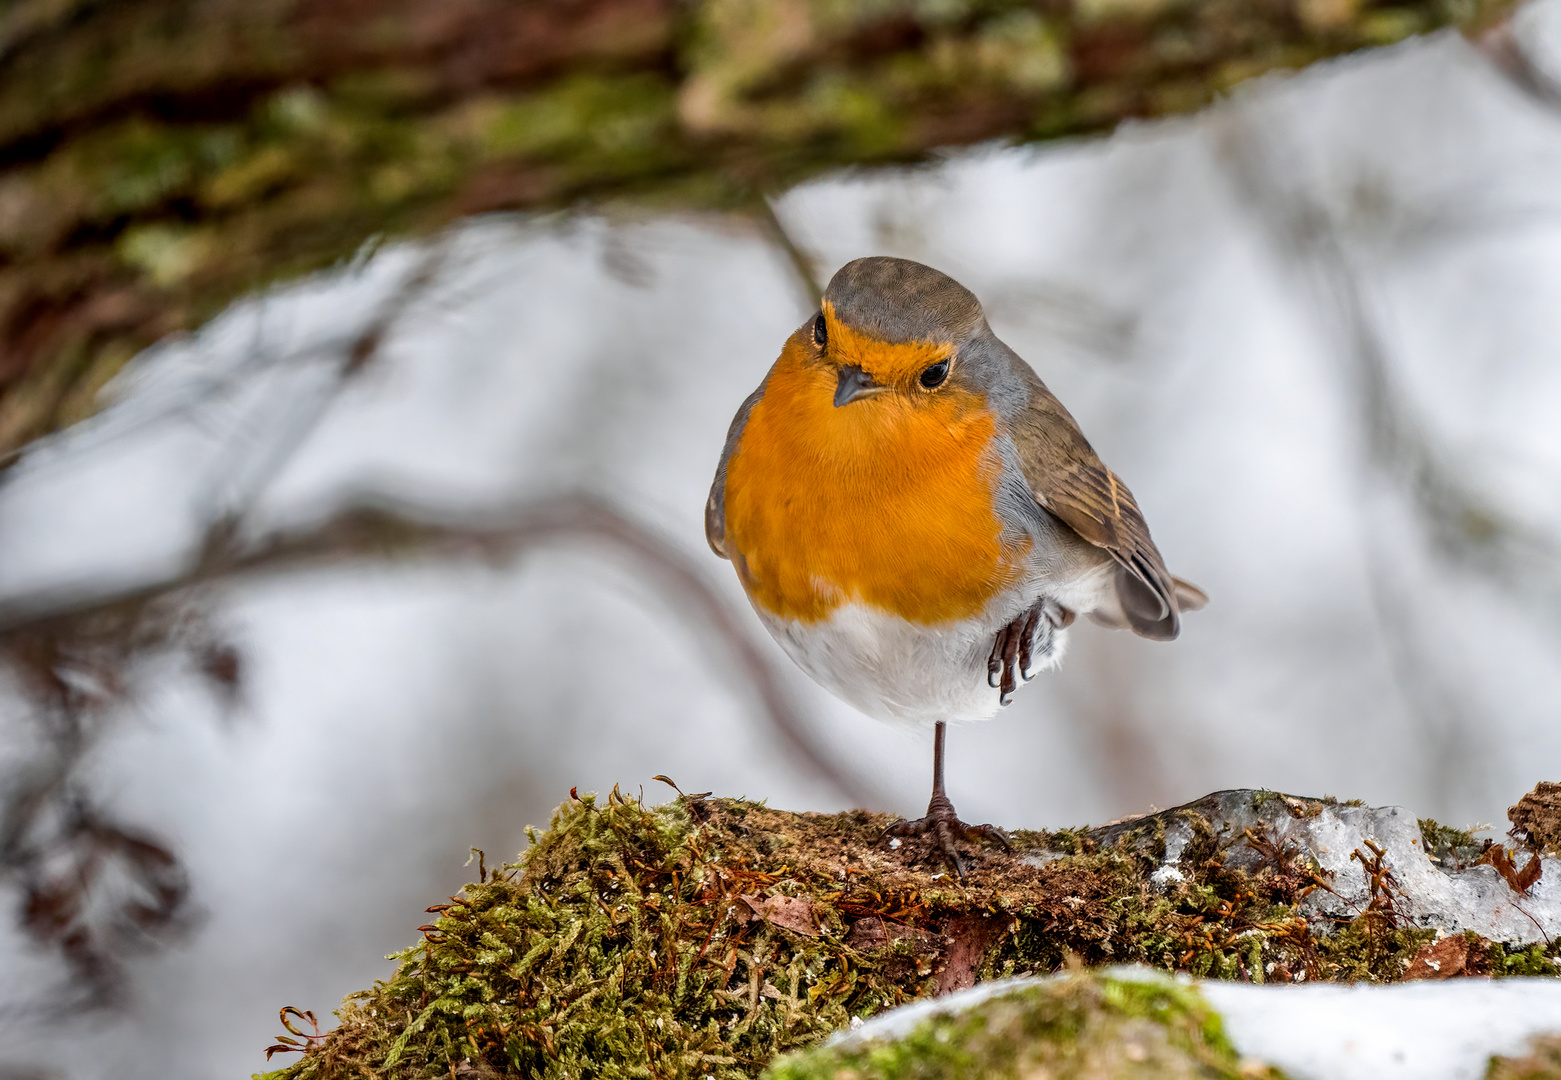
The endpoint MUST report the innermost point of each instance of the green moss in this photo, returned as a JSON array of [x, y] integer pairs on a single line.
[[620, 946], [1081, 1026], [1452, 847], [1516, 960], [587, 117]]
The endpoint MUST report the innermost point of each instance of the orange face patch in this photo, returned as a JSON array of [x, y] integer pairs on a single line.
[[887, 501], [889, 365]]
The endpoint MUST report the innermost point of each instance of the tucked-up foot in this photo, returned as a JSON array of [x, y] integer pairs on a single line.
[[1012, 646], [944, 825], [1011, 652]]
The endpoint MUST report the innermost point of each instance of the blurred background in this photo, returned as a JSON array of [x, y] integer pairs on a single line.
[[338, 538]]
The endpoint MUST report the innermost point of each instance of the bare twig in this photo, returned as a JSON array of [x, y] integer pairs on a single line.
[[801, 262], [1500, 45]]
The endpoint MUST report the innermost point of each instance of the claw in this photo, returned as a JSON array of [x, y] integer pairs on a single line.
[[945, 827], [1026, 639], [1010, 654]]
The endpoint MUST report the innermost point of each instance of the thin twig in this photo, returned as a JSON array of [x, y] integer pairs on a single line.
[[801, 262], [1500, 45]]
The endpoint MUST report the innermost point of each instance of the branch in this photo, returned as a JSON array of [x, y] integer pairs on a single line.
[[160, 157], [385, 529]]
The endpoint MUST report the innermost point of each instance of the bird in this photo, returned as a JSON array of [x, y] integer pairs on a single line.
[[918, 521]]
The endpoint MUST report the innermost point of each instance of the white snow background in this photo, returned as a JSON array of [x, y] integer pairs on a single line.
[[1160, 283]]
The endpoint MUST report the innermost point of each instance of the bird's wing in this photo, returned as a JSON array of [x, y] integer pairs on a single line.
[[715, 505], [1068, 478]]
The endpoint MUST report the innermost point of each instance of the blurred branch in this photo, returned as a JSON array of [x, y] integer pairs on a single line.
[[160, 157], [802, 264], [73, 655], [91, 886], [387, 529], [1464, 527], [1500, 45]]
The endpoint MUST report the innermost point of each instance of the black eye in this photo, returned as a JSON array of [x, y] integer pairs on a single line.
[[820, 331], [933, 377]]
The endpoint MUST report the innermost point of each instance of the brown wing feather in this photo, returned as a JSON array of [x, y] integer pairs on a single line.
[[1069, 479], [715, 505]]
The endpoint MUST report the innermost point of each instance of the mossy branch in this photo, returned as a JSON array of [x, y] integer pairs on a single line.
[[160, 157], [704, 937]]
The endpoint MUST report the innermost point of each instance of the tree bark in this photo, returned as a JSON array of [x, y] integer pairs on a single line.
[[159, 158]]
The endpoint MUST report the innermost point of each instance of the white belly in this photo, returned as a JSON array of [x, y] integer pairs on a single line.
[[899, 671]]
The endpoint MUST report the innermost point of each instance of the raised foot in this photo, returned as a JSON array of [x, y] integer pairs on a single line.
[[943, 823]]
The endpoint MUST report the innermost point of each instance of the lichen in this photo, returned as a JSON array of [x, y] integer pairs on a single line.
[[1082, 1026]]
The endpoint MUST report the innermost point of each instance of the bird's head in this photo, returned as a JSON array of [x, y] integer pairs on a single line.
[[891, 333], [898, 373]]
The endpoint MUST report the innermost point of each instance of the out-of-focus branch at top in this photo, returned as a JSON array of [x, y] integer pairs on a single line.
[[160, 157]]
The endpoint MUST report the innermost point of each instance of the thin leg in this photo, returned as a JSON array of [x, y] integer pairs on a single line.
[[941, 820]]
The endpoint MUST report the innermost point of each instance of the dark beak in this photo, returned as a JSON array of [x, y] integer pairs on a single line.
[[854, 383]]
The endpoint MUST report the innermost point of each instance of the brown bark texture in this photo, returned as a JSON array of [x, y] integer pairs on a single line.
[[159, 158]]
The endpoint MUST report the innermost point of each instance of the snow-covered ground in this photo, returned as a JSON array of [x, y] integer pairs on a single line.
[[1410, 1031], [1158, 281]]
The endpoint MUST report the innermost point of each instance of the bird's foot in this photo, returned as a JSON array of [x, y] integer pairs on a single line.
[[1011, 654], [944, 825], [1013, 645]]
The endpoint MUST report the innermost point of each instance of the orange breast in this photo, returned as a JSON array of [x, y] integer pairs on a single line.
[[887, 501]]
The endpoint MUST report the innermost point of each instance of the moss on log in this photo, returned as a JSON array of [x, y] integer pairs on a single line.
[[707, 936], [160, 157]]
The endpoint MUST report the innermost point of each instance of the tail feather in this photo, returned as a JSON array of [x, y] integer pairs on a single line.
[[1188, 596], [1148, 613]]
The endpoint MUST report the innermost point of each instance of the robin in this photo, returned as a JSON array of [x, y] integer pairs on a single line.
[[918, 521]]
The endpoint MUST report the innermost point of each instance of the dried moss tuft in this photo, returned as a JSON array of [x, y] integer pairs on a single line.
[[1537, 817]]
